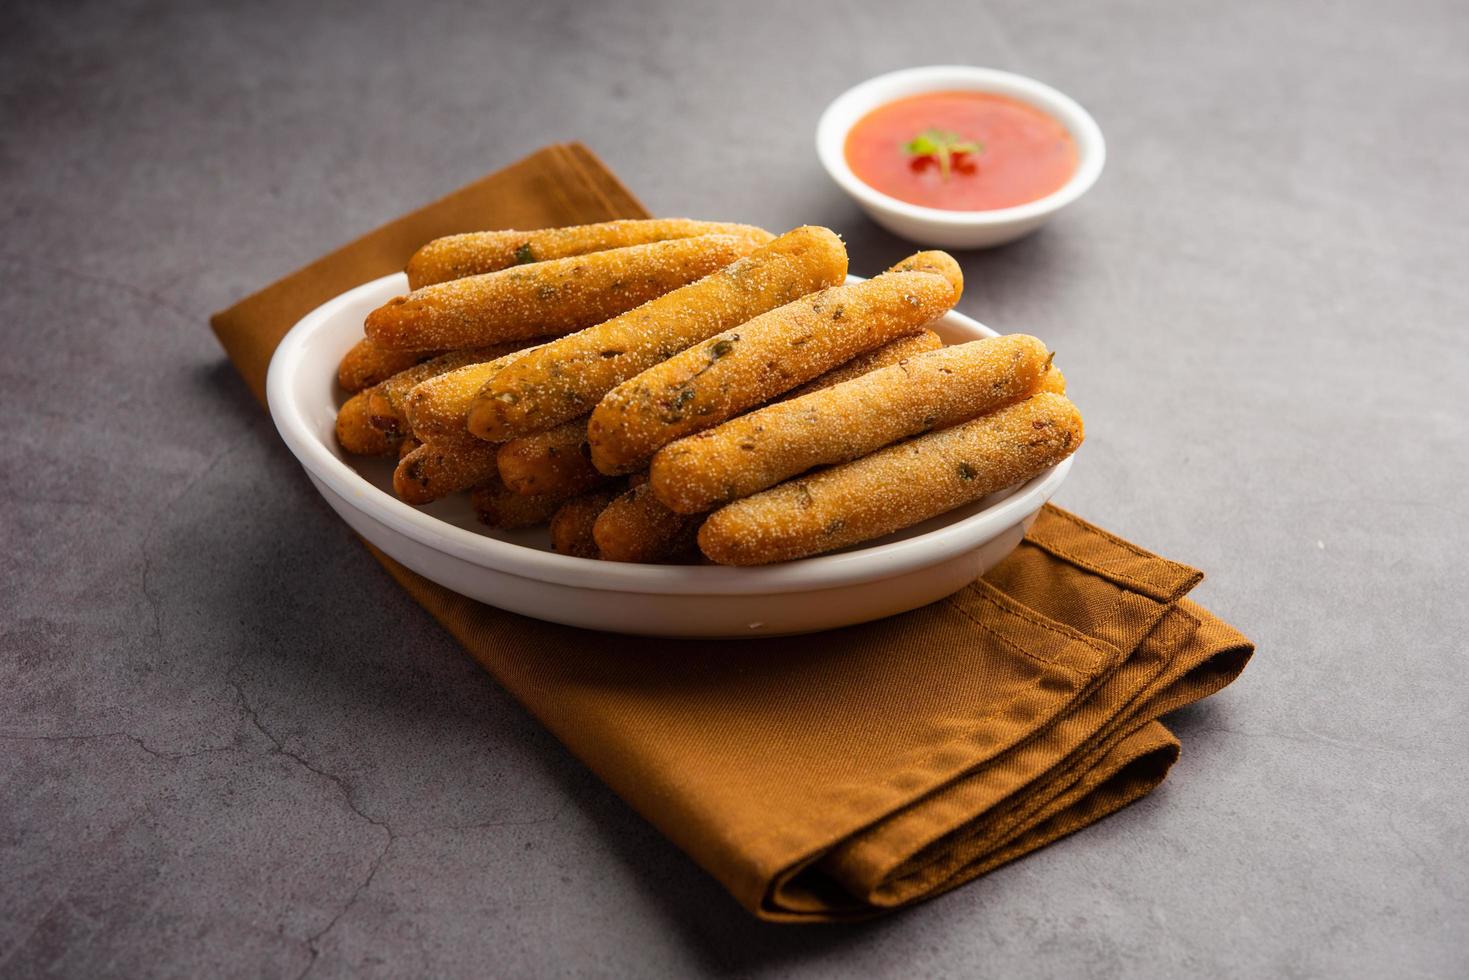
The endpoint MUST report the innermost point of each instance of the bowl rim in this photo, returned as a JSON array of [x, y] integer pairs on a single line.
[[857, 101], [806, 574]]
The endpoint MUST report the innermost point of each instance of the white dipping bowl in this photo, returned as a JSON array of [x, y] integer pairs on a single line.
[[518, 571], [957, 229]]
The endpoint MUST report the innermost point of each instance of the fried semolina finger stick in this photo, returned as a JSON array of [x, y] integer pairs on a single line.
[[756, 361], [436, 470], [499, 508], [571, 525], [388, 400], [545, 299], [438, 407], [636, 526], [367, 364], [935, 261], [569, 376], [478, 252], [894, 487], [933, 390], [1052, 381], [355, 432], [889, 353], [555, 461]]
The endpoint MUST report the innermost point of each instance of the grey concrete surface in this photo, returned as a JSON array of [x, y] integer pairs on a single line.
[[230, 746]]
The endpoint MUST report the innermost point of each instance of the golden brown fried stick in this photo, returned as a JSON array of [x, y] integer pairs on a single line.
[[571, 525], [636, 526], [355, 432], [889, 353], [1052, 381], [895, 487], [555, 461], [933, 390], [367, 364], [758, 360], [568, 377], [559, 460], [497, 507], [935, 261], [436, 470], [545, 299], [387, 401], [478, 252], [437, 408]]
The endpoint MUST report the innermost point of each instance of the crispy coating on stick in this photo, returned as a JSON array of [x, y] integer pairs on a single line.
[[1053, 381], [355, 431], [571, 525], [478, 252], [935, 261], [929, 391], [555, 461], [636, 526], [367, 364], [756, 361], [388, 401], [437, 408], [568, 377], [889, 353], [436, 470], [546, 299], [894, 487], [499, 508]]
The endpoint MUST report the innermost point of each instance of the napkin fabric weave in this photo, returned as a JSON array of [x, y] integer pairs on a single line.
[[841, 775]]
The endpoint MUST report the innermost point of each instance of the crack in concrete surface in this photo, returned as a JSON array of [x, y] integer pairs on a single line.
[[313, 942], [93, 736], [276, 746]]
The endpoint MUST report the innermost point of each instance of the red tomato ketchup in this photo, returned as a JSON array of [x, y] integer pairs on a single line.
[[961, 151]]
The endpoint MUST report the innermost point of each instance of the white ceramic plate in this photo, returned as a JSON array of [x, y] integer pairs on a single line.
[[518, 571]]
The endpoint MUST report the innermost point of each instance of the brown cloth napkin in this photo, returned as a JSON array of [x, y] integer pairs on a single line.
[[832, 776]]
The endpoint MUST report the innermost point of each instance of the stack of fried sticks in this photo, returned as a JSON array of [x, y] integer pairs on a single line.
[[710, 388]]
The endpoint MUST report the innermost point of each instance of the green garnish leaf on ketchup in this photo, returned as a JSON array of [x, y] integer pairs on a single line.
[[943, 146]]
